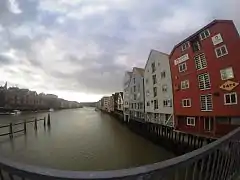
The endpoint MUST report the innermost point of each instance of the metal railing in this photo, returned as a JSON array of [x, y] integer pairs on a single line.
[[218, 160]]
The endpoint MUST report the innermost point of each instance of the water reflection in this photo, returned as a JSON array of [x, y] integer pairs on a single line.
[[80, 139]]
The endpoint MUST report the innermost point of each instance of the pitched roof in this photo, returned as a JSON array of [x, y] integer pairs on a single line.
[[199, 31], [139, 70], [153, 50]]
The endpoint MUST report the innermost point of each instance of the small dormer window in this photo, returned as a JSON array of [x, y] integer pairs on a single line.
[[185, 46], [205, 34]]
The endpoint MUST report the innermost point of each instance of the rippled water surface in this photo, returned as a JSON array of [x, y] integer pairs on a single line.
[[80, 139]]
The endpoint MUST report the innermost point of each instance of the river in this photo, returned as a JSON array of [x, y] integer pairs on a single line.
[[80, 139]]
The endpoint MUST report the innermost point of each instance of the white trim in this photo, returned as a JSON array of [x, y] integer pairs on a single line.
[[221, 51], [185, 81], [190, 103], [185, 46], [204, 32], [209, 124], [182, 64], [229, 94], [205, 102], [204, 81], [189, 119]]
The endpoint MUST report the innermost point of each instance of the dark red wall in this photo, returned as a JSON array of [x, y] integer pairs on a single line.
[[214, 65]]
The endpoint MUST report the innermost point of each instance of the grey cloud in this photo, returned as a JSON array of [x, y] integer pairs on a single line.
[[129, 32], [5, 60]]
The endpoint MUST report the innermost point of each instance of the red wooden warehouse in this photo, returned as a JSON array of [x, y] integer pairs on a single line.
[[205, 71]]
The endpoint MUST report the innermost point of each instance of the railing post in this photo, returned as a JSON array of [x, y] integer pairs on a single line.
[[49, 121], [11, 130], [35, 124], [25, 127]]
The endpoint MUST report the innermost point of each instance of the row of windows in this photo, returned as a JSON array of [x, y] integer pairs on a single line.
[[166, 103], [136, 105], [203, 35], [208, 122], [200, 59], [204, 79], [206, 101], [164, 89]]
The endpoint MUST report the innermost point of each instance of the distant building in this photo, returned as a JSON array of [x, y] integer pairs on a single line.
[[136, 87], [126, 95], [105, 102], [205, 76], [158, 89], [120, 101]]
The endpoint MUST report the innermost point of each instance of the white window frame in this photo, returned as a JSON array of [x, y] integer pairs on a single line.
[[209, 124], [205, 102], [204, 81], [186, 83], [229, 94], [190, 103], [164, 88], [179, 65], [220, 47], [185, 46], [223, 70], [200, 62], [189, 119], [204, 33]]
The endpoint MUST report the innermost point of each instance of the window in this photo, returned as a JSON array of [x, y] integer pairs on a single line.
[[221, 51], [134, 80], [200, 61], [205, 34], [182, 67], [204, 81], [185, 46], [185, 84], [186, 103], [167, 103], [206, 102], [147, 93], [135, 97], [230, 98], [191, 121], [227, 73], [153, 67], [134, 88], [154, 78], [196, 45], [148, 103], [155, 104], [146, 81], [164, 88], [154, 91], [163, 74], [208, 123]]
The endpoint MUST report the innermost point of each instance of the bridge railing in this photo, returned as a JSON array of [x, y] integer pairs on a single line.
[[218, 160]]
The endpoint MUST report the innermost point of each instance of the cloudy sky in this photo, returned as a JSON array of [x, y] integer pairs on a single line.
[[79, 49]]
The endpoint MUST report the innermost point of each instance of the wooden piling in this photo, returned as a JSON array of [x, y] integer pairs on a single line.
[[44, 121], [35, 124], [25, 127], [11, 130], [49, 121]]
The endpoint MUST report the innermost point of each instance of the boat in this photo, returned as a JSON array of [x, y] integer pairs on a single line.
[[51, 110], [16, 112]]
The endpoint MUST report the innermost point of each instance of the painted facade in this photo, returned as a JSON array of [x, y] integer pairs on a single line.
[[136, 93], [126, 91], [205, 77], [158, 89]]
